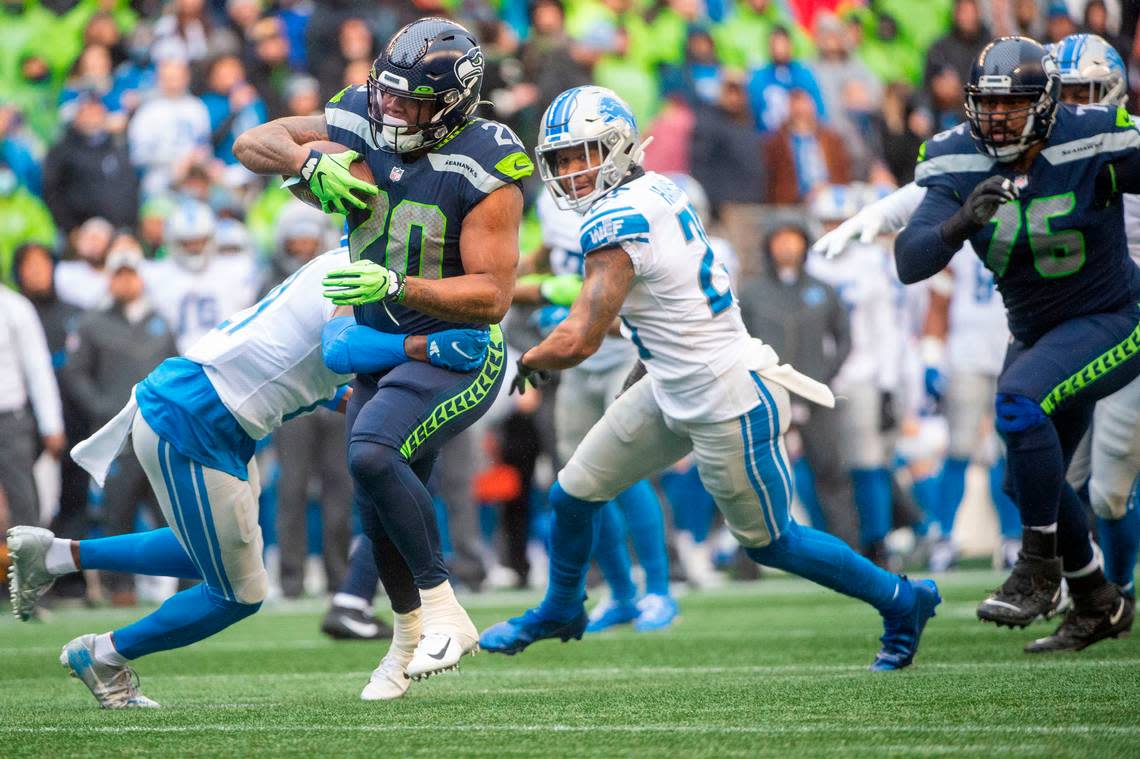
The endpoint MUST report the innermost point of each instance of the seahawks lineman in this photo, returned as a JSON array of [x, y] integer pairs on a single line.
[[1091, 72], [710, 389], [193, 423]]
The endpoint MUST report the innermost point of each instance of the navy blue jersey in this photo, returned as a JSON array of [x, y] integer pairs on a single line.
[[1057, 251], [413, 225]]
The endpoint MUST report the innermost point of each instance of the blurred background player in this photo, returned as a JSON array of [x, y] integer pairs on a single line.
[[868, 382]]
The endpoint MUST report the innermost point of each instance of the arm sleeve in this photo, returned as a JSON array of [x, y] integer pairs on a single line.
[[920, 251], [350, 348], [36, 362], [899, 206]]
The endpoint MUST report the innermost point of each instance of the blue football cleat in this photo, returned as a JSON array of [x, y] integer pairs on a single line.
[[901, 632], [515, 634], [656, 612], [611, 613]]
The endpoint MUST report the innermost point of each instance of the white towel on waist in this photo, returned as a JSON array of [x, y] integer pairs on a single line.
[[763, 360], [96, 453]]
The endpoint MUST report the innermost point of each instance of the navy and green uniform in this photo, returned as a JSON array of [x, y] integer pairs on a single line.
[[1059, 257], [398, 420]]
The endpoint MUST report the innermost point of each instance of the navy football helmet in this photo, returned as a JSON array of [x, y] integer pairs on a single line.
[[1012, 68], [424, 84]]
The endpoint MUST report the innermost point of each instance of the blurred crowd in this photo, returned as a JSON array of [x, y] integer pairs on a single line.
[[130, 228]]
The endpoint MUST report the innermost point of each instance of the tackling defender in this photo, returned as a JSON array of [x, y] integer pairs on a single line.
[[193, 423], [434, 247], [1036, 186], [711, 389]]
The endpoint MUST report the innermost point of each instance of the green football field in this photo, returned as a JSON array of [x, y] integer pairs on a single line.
[[775, 668]]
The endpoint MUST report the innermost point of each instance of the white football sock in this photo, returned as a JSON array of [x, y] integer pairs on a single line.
[[441, 598], [58, 559], [349, 601], [105, 652]]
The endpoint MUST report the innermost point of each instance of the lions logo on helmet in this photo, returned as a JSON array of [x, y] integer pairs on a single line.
[[1091, 71], [190, 235], [433, 69], [598, 123], [1012, 69]]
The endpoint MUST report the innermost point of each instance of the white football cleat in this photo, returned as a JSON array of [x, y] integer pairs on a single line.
[[443, 644], [28, 577], [390, 680], [113, 687]]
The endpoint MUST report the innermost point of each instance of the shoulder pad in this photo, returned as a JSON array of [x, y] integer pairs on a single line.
[[1086, 131], [347, 117], [488, 153], [612, 224], [950, 152]]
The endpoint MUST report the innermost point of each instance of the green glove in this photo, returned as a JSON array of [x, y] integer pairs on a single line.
[[561, 290], [533, 279], [363, 282], [333, 184]]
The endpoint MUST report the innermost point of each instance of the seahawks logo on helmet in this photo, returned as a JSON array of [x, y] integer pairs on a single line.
[[469, 69]]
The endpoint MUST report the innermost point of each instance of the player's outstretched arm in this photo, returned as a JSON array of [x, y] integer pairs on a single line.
[[887, 214], [276, 146], [609, 275]]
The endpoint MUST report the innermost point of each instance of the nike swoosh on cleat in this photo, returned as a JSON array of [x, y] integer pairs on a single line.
[[363, 629], [455, 347], [993, 602], [439, 654], [1117, 614]]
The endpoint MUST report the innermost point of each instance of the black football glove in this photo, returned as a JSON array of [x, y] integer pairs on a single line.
[[980, 206], [525, 374]]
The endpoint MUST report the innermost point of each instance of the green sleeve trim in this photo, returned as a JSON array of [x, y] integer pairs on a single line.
[[336, 98]]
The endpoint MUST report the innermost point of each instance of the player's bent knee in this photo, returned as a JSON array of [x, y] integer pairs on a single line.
[[570, 507], [368, 461], [231, 611], [776, 552], [1017, 413], [252, 589]]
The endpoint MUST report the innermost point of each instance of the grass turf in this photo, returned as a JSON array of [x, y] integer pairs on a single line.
[[775, 668]]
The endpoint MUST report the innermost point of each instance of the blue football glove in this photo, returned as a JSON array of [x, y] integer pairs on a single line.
[[545, 319], [458, 350], [935, 383]]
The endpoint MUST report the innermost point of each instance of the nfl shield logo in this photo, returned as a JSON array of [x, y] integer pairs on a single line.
[[395, 174]]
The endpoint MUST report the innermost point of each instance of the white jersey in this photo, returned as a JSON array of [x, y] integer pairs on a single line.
[[560, 234], [978, 332], [863, 282], [265, 362], [193, 302], [680, 312]]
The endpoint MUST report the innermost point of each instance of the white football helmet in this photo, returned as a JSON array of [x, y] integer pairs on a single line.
[[601, 124], [190, 235], [1088, 59]]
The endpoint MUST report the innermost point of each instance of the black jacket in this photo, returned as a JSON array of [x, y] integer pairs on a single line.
[[726, 158], [85, 177], [805, 323], [110, 356]]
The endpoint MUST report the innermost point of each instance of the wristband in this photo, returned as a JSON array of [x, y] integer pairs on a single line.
[[310, 165]]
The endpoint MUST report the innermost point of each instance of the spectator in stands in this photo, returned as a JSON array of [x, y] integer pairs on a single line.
[[25, 375], [354, 42], [725, 159], [303, 96], [268, 69], [103, 30], [115, 348], [1028, 21], [185, 29], [16, 151], [168, 128], [770, 87], [295, 16], [92, 74], [233, 104], [34, 272], [82, 281], [1096, 21], [512, 99], [152, 224], [958, 49], [25, 219], [741, 38], [806, 323], [901, 128], [803, 154], [699, 75], [88, 172], [947, 101], [672, 133], [836, 66], [548, 57], [1058, 23], [34, 92], [669, 23]]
